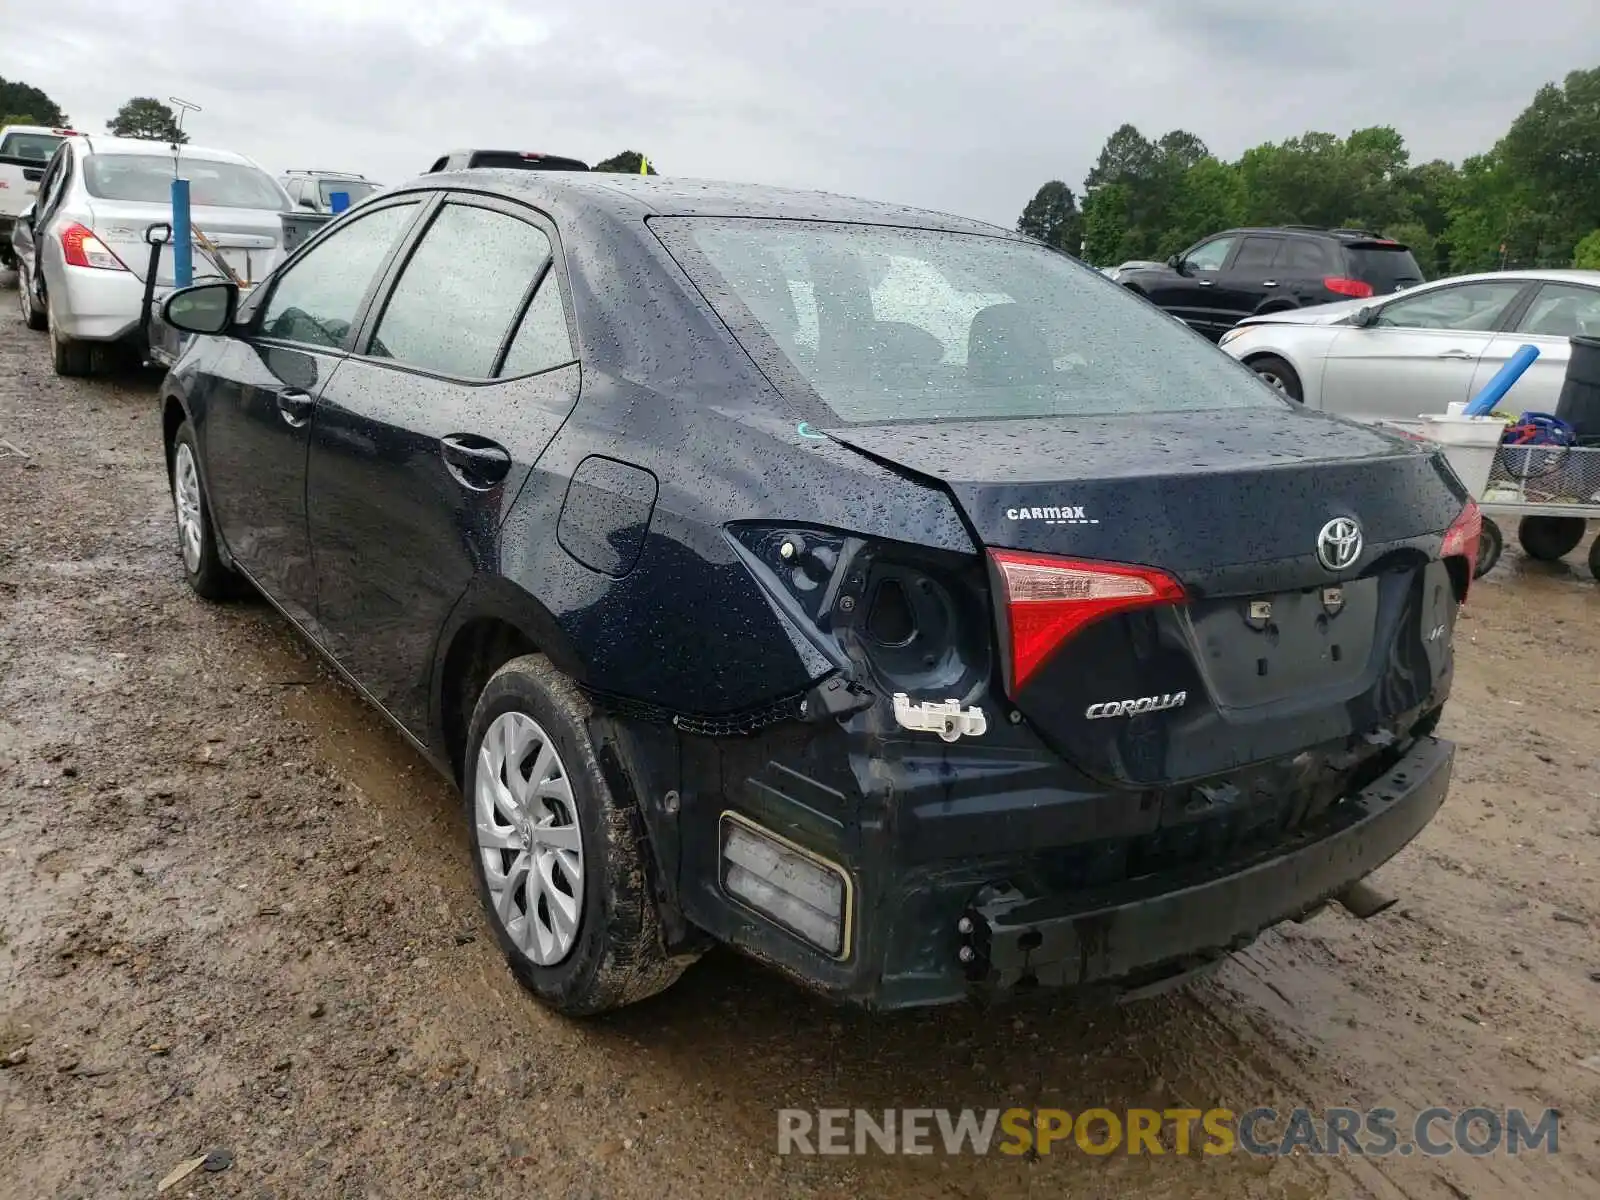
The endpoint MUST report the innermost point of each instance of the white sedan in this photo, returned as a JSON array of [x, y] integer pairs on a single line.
[[1417, 351]]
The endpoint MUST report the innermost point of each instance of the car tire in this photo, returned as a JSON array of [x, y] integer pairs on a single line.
[[1491, 544], [1279, 376], [70, 358], [1550, 538], [603, 950], [207, 574], [32, 315]]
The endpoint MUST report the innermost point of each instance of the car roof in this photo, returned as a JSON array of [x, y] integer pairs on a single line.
[[98, 144], [1532, 275], [640, 196]]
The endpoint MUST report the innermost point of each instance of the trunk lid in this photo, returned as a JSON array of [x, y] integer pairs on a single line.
[[1271, 652], [249, 239]]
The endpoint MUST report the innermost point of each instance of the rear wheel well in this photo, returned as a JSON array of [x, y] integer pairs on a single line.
[[479, 649]]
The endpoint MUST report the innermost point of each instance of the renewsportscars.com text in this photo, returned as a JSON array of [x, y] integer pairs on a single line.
[[1263, 1132]]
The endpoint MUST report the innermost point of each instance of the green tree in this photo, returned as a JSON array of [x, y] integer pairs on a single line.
[[1552, 151], [148, 118], [31, 105], [1106, 235], [1052, 216], [1210, 196], [626, 163], [1587, 255]]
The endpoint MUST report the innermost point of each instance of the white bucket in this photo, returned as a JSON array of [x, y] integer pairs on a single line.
[[1469, 443]]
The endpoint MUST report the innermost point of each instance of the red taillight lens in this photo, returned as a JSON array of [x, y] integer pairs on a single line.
[[82, 249], [1048, 600], [1347, 287], [1461, 539]]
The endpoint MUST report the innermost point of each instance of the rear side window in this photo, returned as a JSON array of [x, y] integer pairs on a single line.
[[889, 324], [147, 178], [316, 300], [1563, 310], [1256, 253], [542, 340], [460, 292], [1387, 266], [36, 146], [1306, 256], [354, 188]]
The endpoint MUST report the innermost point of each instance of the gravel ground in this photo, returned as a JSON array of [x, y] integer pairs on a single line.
[[236, 919]]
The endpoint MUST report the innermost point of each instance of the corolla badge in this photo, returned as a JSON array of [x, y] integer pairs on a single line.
[[1339, 544]]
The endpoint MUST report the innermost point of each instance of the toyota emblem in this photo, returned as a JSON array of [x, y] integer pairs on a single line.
[[1339, 544]]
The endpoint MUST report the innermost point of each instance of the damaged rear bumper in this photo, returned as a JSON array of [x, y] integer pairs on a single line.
[[969, 877], [1010, 940]]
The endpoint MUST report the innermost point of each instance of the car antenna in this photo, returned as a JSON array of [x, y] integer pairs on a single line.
[[184, 108]]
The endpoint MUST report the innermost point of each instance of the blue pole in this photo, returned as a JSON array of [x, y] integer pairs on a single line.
[[338, 202], [182, 237], [1495, 390]]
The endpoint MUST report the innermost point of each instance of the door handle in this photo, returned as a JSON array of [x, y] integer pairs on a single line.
[[1269, 283], [295, 406], [474, 461], [1457, 354], [1206, 282]]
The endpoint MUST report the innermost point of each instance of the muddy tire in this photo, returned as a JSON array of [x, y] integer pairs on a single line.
[[69, 358], [1491, 544], [33, 316], [562, 867], [197, 542], [1550, 538]]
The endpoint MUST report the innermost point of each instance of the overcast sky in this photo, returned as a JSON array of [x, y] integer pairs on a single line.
[[960, 105]]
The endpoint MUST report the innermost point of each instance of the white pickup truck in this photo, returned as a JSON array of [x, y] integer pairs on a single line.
[[25, 150]]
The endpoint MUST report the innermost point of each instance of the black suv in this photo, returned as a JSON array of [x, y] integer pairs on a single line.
[[875, 591], [1244, 272]]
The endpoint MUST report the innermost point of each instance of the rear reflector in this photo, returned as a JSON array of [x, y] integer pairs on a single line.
[[1461, 539], [1048, 600], [1348, 287], [81, 248], [807, 895]]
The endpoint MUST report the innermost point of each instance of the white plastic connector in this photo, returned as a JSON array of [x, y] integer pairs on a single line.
[[945, 717]]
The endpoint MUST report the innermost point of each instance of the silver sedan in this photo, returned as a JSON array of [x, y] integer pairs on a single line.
[[1417, 351], [84, 276]]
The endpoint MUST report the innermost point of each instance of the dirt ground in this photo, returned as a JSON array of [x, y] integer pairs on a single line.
[[236, 916]]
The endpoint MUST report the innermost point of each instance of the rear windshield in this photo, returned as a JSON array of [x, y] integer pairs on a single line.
[[1388, 268], [354, 188], [29, 145], [148, 178], [888, 324], [508, 158]]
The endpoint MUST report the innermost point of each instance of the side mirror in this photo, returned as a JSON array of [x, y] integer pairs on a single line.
[[1365, 317], [1175, 262], [204, 308]]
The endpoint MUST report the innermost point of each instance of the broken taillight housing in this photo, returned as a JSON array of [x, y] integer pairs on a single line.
[[1461, 540], [1047, 600]]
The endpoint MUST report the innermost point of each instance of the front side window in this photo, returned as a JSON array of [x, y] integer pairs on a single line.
[[147, 179], [461, 291], [1210, 256], [1563, 310], [1471, 307], [892, 324], [318, 297]]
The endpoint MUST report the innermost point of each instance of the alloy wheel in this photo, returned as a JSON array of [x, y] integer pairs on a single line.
[[186, 501], [528, 838]]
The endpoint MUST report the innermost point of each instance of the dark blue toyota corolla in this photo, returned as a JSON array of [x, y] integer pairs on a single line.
[[883, 594]]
